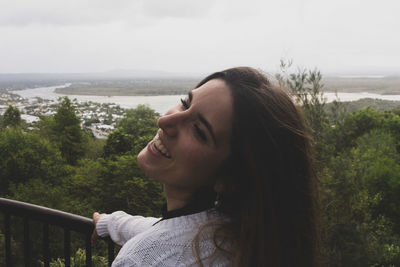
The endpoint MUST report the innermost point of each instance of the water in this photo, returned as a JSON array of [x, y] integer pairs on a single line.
[[162, 103]]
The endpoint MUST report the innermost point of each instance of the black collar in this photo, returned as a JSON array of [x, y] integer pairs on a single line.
[[191, 208], [201, 201]]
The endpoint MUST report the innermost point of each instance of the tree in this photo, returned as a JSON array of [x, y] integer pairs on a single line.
[[12, 117], [25, 156], [118, 142], [68, 132], [116, 184], [358, 171], [361, 189], [133, 132], [306, 86]]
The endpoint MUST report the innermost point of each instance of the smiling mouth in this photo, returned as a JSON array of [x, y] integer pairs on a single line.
[[159, 146]]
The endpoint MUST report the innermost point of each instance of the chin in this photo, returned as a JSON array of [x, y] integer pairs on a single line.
[[145, 164]]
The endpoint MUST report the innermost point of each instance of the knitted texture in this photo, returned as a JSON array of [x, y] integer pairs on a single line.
[[165, 243]]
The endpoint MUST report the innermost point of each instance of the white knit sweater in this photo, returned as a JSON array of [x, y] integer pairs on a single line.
[[166, 243]]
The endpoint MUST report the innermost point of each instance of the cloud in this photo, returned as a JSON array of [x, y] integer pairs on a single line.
[[178, 8], [194, 35], [76, 12], [71, 12]]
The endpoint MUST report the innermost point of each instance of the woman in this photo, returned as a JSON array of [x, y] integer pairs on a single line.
[[234, 159]]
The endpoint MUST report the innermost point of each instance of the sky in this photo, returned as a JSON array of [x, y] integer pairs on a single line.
[[198, 36]]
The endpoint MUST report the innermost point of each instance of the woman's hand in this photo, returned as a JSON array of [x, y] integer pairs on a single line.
[[96, 218]]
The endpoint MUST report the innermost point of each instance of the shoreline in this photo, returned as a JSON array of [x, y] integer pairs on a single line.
[[60, 91]]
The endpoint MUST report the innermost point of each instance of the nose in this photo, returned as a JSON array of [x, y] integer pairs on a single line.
[[170, 122]]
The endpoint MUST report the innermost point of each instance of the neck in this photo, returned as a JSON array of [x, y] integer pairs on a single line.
[[176, 197]]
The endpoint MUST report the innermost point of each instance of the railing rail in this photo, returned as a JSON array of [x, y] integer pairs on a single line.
[[69, 222]]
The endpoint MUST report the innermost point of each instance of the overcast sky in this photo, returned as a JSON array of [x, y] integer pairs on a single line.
[[198, 36]]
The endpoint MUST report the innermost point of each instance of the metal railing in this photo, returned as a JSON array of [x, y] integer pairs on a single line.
[[69, 222]]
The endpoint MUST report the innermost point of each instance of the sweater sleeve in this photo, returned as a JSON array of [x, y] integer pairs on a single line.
[[121, 226]]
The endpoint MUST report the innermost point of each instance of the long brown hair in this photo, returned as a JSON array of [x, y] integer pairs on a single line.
[[269, 177]]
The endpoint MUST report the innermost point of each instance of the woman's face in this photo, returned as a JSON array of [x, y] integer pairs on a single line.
[[193, 139]]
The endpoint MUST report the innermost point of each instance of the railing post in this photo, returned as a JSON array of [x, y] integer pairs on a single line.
[[67, 247], [110, 251], [27, 249], [88, 250], [46, 254], [8, 238]]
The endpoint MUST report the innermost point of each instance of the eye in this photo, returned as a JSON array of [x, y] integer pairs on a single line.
[[200, 133], [197, 130], [185, 104]]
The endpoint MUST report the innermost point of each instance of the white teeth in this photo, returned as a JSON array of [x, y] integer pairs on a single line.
[[160, 147]]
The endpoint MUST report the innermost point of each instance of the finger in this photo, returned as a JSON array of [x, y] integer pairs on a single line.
[[96, 217], [94, 236]]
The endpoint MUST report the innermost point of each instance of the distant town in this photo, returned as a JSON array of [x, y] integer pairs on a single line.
[[100, 119]]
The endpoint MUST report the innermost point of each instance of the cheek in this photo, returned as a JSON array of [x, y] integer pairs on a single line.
[[202, 164]]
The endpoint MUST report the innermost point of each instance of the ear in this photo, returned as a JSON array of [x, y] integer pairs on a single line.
[[219, 186]]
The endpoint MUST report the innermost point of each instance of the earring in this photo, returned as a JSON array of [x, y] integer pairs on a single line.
[[217, 201]]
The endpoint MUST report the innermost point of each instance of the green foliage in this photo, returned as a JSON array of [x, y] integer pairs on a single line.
[[345, 132], [133, 132], [45, 127], [39, 192], [352, 106], [25, 156], [68, 132], [79, 260], [118, 143], [14, 248], [126, 87], [306, 86], [94, 148], [2, 249], [90, 121], [11, 117], [360, 189], [35, 167], [118, 183], [359, 175]]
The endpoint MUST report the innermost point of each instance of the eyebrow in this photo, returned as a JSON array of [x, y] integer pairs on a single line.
[[190, 94], [203, 120]]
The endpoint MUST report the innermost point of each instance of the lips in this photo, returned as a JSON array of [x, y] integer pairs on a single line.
[[159, 146]]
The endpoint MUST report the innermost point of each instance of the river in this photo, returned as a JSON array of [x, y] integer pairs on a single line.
[[162, 103]]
